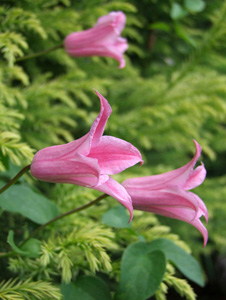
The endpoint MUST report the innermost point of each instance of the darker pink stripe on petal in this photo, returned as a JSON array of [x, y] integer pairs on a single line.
[[81, 171], [115, 155]]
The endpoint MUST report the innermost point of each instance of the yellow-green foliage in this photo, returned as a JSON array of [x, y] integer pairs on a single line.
[[83, 248], [180, 285], [21, 290], [172, 90]]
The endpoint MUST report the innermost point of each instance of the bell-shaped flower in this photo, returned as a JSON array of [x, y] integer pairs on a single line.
[[102, 40], [90, 160], [167, 194]]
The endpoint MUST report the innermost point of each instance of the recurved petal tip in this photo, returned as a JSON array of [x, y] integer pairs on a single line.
[[122, 63], [198, 148], [97, 129], [203, 230], [117, 191]]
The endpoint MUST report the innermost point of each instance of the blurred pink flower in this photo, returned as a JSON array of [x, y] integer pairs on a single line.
[[167, 194], [90, 160], [102, 40]]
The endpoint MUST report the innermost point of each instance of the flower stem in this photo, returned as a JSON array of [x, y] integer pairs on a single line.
[[64, 215], [12, 181], [39, 53], [6, 254]]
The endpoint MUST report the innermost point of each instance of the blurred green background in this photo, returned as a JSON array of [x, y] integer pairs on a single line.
[[172, 90]]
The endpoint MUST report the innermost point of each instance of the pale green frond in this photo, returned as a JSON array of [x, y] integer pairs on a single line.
[[19, 19], [12, 46], [12, 96], [84, 247], [181, 286], [14, 289], [17, 151]]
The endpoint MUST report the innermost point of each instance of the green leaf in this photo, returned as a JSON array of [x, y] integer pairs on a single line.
[[141, 272], [160, 26], [182, 34], [195, 5], [4, 160], [177, 11], [10, 240], [116, 217], [32, 247], [86, 288], [21, 199], [186, 263]]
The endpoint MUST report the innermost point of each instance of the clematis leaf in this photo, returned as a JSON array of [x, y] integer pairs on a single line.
[[116, 217], [30, 249], [141, 272], [10, 240], [86, 288], [177, 11], [186, 263], [21, 199], [195, 5]]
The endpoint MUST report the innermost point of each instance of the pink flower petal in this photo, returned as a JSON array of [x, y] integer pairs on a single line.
[[102, 40], [116, 19], [115, 155], [88, 39], [63, 151], [166, 194], [202, 211], [171, 197], [178, 177], [197, 176], [117, 191], [98, 126], [183, 214], [80, 170], [89, 160], [198, 224]]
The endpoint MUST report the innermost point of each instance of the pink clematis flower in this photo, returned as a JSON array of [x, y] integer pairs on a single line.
[[167, 194], [102, 40], [90, 160]]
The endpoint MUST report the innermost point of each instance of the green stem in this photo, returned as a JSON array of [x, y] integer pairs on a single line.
[[40, 53], [64, 215], [6, 254], [12, 181]]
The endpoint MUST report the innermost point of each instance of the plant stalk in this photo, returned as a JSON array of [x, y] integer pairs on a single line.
[[64, 215], [39, 53], [12, 181]]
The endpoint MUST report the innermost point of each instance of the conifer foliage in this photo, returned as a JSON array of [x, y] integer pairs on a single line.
[[172, 90]]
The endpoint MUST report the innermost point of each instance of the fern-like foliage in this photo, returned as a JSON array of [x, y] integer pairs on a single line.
[[12, 45], [180, 285], [171, 91], [21, 290], [85, 248]]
